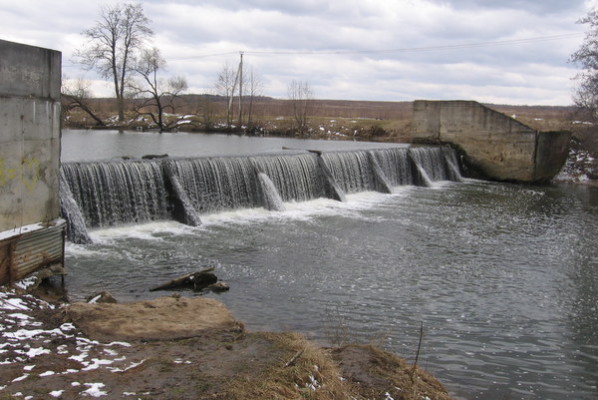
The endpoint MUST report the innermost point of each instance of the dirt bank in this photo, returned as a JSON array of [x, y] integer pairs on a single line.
[[182, 348], [582, 164]]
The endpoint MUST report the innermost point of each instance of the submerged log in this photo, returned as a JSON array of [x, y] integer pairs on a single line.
[[153, 156], [196, 281]]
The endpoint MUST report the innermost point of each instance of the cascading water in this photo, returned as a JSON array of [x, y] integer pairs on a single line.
[[351, 170], [215, 184], [183, 209], [434, 161], [452, 164], [296, 177], [271, 199], [396, 165], [120, 192], [77, 229]]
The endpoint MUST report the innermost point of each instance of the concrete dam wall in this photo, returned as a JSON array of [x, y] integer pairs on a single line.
[[494, 145], [31, 232]]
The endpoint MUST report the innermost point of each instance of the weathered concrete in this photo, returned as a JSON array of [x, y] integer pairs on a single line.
[[29, 134], [30, 228], [494, 145]]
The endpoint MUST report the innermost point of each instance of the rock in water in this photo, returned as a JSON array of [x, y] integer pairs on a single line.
[[219, 287], [102, 297]]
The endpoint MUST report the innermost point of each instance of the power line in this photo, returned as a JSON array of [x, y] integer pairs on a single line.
[[397, 50], [228, 53], [386, 51]]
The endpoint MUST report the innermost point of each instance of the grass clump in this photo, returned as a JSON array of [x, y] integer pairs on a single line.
[[302, 372]]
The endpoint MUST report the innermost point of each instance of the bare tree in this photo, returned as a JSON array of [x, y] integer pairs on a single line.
[[207, 110], [225, 86], [586, 94], [157, 95], [113, 41], [255, 89], [76, 94], [301, 98]]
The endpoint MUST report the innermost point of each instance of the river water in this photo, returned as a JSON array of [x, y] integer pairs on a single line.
[[504, 278]]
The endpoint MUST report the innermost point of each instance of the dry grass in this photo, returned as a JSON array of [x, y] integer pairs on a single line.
[[356, 372], [313, 375], [373, 373]]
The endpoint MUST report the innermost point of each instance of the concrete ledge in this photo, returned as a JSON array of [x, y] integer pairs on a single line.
[[29, 71]]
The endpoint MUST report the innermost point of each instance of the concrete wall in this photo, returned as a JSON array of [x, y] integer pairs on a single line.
[[495, 145], [30, 80], [31, 232]]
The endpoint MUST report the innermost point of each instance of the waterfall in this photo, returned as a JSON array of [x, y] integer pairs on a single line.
[[69, 209], [351, 170], [433, 163], [333, 190], [271, 198], [215, 184], [183, 210], [296, 177], [118, 192], [375, 170], [382, 183], [136, 191], [396, 165], [452, 163]]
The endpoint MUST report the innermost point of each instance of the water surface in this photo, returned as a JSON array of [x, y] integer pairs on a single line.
[[503, 277], [92, 145]]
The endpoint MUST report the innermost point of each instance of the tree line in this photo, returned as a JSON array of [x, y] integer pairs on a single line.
[[118, 49]]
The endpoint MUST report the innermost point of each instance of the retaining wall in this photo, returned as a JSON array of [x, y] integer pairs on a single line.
[[30, 79], [495, 146]]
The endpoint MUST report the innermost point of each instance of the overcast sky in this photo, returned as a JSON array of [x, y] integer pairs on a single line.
[[503, 52]]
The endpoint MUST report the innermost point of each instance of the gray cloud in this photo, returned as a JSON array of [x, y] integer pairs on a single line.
[[351, 49], [540, 7]]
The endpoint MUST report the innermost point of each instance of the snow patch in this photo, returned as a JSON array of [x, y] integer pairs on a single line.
[[20, 378], [38, 351], [94, 390]]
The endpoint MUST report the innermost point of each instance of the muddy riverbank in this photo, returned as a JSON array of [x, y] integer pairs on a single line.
[[183, 348]]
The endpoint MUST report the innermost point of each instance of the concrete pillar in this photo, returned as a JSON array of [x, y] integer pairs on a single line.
[[30, 80]]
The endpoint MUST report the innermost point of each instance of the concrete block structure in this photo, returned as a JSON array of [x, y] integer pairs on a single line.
[[31, 232], [493, 145]]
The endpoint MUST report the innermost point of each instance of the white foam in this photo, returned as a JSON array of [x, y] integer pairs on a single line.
[[301, 210], [148, 231], [83, 250]]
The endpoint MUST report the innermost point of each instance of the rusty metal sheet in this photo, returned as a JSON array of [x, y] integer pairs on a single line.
[[32, 251]]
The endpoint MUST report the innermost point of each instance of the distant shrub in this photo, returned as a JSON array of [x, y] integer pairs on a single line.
[[377, 131]]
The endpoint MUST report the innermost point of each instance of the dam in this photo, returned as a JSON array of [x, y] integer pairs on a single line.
[[501, 274], [107, 193]]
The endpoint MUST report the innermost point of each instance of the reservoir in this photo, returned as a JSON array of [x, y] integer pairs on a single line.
[[503, 277]]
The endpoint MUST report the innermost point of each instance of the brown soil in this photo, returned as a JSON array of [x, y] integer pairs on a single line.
[[181, 348]]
